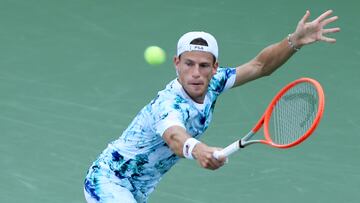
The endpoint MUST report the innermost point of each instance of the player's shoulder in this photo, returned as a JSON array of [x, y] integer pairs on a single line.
[[225, 72], [220, 81]]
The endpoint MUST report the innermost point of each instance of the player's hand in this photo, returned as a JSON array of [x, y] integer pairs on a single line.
[[310, 32], [204, 155]]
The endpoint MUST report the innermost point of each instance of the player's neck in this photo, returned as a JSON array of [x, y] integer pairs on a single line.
[[198, 99]]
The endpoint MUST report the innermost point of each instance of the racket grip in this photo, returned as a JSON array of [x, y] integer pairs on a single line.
[[228, 150], [218, 154]]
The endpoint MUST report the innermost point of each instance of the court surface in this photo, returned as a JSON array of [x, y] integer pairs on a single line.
[[72, 77]]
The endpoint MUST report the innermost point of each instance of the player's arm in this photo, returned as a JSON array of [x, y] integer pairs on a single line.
[[273, 56], [266, 62], [176, 137]]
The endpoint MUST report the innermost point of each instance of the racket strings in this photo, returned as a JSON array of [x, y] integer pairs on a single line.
[[294, 114]]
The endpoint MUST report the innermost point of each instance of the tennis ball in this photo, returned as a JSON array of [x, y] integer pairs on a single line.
[[154, 55]]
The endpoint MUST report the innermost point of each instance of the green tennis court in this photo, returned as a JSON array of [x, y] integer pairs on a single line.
[[72, 77]]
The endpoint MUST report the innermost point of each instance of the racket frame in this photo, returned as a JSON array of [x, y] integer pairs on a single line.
[[270, 108], [265, 119]]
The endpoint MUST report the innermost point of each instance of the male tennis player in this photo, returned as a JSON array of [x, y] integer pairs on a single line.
[[168, 128]]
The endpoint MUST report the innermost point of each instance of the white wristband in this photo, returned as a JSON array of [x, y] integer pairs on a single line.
[[189, 146]]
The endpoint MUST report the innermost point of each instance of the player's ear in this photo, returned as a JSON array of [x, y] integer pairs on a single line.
[[216, 66], [176, 64], [176, 60]]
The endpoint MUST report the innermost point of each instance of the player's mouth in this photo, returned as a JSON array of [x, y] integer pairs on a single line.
[[196, 83]]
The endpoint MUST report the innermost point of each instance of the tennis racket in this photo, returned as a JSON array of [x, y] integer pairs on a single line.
[[292, 116]]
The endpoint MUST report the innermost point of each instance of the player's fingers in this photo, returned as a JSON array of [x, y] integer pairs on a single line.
[[329, 20], [328, 39], [220, 161], [209, 162], [220, 156], [324, 15], [212, 163], [330, 30], [305, 17]]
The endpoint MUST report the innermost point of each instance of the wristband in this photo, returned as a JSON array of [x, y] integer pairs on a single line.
[[189, 146], [291, 44]]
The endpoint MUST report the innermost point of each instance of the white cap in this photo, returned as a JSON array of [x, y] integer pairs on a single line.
[[184, 43]]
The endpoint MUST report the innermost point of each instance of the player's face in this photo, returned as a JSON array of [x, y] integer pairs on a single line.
[[195, 70]]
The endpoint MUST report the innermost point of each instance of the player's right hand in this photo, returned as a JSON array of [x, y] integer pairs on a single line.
[[204, 155]]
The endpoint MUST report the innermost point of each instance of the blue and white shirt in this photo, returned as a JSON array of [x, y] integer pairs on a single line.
[[140, 157]]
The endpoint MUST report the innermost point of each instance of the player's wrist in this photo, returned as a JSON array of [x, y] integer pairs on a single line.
[[189, 146], [294, 42]]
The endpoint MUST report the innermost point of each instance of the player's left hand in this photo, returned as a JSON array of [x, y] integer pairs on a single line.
[[310, 32]]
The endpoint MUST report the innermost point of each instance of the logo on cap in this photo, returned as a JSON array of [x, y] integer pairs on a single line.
[[198, 47]]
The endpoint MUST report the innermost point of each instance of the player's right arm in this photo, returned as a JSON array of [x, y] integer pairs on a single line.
[[176, 136]]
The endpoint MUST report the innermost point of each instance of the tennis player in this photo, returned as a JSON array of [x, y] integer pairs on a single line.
[[169, 127]]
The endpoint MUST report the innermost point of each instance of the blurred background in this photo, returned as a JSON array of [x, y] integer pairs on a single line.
[[73, 76]]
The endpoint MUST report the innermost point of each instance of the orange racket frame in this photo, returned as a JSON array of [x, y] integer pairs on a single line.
[[265, 119]]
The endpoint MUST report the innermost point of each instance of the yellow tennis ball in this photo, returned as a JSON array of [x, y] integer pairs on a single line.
[[154, 55]]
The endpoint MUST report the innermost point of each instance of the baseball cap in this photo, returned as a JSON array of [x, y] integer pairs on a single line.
[[184, 43]]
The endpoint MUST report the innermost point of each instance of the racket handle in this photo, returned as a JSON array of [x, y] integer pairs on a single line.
[[228, 150], [218, 154]]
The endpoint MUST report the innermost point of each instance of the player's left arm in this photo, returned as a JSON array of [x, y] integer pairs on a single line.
[[273, 56]]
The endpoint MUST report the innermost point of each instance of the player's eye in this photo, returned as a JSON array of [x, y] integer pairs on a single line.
[[204, 65], [189, 63]]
